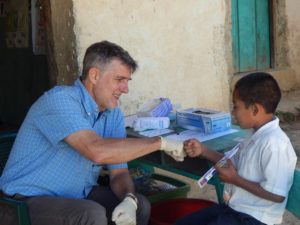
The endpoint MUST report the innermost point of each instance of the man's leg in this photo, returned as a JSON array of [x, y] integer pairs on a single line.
[[105, 197], [48, 210], [8, 215]]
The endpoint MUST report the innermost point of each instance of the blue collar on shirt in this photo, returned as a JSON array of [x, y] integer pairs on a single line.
[[88, 102]]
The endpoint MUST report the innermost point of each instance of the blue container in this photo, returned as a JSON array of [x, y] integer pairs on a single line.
[[203, 120]]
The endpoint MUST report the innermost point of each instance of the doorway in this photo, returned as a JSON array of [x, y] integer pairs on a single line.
[[23, 73]]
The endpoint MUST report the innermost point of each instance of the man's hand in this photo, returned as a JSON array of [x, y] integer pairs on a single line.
[[125, 212], [173, 148]]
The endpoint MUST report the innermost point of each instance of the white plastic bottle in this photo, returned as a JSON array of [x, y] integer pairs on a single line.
[[145, 123]]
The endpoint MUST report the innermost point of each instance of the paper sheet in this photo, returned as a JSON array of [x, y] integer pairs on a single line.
[[200, 136], [154, 133], [128, 120]]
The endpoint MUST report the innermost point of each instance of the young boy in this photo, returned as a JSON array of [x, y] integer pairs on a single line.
[[259, 176]]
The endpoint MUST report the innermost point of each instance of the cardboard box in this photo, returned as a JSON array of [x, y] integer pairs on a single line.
[[203, 120], [157, 107]]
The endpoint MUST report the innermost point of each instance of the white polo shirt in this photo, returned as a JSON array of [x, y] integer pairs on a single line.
[[269, 159]]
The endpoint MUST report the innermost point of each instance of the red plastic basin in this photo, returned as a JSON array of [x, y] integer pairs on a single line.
[[167, 212]]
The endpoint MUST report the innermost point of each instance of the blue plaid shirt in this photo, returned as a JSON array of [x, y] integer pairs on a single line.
[[41, 162]]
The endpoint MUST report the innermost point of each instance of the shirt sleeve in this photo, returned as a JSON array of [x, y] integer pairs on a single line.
[[278, 168], [119, 131], [60, 115]]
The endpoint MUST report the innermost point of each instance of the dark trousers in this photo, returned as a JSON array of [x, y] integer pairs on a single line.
[[95, 210], [219, 214]]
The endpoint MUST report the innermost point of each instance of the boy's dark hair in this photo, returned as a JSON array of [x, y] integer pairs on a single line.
[[102, 53], [259, 88]]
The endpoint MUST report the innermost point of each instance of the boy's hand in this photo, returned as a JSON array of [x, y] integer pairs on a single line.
[[193, 148], [227, 174]]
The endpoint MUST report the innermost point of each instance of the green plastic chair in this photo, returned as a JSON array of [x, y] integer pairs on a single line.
[[293, 203], [6, 143]]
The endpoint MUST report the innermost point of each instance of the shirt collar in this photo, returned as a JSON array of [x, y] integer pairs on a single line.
[[274, 123], [88, 102]]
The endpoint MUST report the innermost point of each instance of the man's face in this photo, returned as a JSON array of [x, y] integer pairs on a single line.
[[113, 82], [242, 114]]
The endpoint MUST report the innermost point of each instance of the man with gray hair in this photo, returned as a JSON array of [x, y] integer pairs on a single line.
[[71, 133]]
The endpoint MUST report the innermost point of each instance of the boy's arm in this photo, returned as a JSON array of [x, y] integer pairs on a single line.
[[194, 148], [230, 175]]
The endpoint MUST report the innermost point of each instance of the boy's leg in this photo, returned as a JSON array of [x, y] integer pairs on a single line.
[[49, 210], [105, 197], [218, 215], [230, 216]]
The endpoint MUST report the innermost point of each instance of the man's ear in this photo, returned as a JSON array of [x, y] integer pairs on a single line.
[[93, 74]]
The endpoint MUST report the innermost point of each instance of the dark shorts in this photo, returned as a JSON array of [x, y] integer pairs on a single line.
[[219, 214]]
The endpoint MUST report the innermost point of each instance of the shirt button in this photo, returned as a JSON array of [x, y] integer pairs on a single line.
[[89, 113], [87, 168], [96, 110]]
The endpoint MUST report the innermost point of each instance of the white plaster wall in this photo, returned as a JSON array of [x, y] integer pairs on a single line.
[[180, 47], [293, 18]]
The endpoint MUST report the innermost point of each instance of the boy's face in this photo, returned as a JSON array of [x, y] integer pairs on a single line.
[[243, 115]]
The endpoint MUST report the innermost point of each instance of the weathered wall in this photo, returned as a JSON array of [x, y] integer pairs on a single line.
[[278, 31], [293, 18], [181, 47], [64, 41], [284, 67]]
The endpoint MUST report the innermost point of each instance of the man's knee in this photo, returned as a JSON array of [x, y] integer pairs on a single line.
[[93, 214]]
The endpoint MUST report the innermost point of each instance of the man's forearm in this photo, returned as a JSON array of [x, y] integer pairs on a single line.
[[111, 150], [121, 184], [117, 150]]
